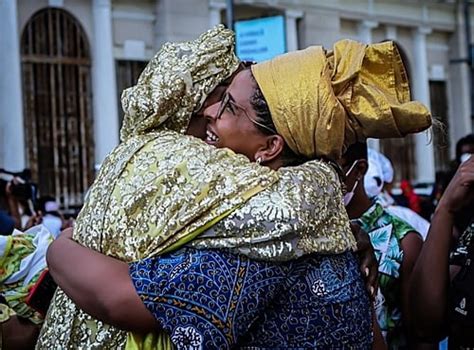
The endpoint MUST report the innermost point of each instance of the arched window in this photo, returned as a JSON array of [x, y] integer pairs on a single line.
[[57, 105]]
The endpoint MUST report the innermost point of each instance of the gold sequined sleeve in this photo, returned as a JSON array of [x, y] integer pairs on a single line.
[[302, 213]]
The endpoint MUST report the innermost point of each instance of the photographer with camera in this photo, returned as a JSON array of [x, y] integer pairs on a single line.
[[16, 191]]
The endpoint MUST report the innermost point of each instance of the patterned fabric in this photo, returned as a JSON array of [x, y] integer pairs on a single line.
[[22, 260], [211, 299], [6, 313], [176, 82], [459, 254], [386, 232]]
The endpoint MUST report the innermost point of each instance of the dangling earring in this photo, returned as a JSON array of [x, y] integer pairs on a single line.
[[259, 160]]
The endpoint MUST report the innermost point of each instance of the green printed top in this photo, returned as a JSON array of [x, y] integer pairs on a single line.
[[386, 232]]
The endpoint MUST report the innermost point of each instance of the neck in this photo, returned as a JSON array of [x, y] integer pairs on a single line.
[[359, 204], [274, 164]]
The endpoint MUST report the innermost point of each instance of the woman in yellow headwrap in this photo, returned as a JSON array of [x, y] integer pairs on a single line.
[[306, 104]]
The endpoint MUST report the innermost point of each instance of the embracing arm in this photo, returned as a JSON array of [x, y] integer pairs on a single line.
[[411, 246], [431, 277], [368, 264], [98, 284], [430, 280]]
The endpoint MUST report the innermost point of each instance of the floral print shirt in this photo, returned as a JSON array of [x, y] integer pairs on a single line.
[[386, 232]]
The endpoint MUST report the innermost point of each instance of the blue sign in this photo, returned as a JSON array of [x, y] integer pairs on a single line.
[[260, 39]]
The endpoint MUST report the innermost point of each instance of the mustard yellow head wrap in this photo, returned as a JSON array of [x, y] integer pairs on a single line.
[[322, 102]]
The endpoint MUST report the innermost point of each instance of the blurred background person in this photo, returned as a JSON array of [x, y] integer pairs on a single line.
[[378, 184], [17, 198], [396, 246], [443, 281], [52, 217], [464, 150]]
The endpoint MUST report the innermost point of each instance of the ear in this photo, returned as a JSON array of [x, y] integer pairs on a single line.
[[362, 167], [271, 150]]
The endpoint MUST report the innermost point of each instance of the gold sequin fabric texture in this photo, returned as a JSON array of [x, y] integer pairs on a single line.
[[300, 214], [162, 195], [175, 81]]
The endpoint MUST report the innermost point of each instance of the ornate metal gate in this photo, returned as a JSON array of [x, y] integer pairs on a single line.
[[57, 105]]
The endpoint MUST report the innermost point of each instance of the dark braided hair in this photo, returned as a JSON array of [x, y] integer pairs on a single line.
[[263, 116]]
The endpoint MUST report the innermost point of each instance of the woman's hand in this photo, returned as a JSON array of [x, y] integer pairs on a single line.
[[19, 333], [460, 191], [368, 263]]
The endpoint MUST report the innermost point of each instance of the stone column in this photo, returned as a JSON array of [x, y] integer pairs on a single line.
[[215, 11], [364, 30], [391, 32], [12, 140], [460, 123], [106, 124], [291, 18], [424, 152]]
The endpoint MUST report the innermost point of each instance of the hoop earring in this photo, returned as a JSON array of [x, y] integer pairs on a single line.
[[259, 160]]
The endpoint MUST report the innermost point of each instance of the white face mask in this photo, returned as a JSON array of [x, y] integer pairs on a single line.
[[349, 195], [464, 157]]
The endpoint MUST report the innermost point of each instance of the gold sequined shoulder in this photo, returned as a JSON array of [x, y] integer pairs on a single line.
[[302, 213]]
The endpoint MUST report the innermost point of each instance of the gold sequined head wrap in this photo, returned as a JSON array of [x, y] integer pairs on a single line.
[[322, 102], [176, 80]]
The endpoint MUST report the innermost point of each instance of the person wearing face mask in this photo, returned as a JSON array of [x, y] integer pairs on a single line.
[[464, 149], [396, 245], [377, 182]]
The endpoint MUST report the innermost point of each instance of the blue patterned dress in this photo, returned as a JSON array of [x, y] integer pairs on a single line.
[[210, 299]]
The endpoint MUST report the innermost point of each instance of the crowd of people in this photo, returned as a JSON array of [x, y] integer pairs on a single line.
[[243, 209]]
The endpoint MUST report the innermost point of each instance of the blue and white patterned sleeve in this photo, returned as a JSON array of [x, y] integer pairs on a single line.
[[208, 297]]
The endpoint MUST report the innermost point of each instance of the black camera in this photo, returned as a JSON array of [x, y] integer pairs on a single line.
[[21, 186]]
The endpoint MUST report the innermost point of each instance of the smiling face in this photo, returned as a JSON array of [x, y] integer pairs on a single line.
[[232, 124], [198, 123]]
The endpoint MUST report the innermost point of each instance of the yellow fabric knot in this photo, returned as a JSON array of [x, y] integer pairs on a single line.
[[323, 101]]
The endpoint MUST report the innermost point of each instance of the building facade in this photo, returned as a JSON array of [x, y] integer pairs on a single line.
[[65, 62]]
